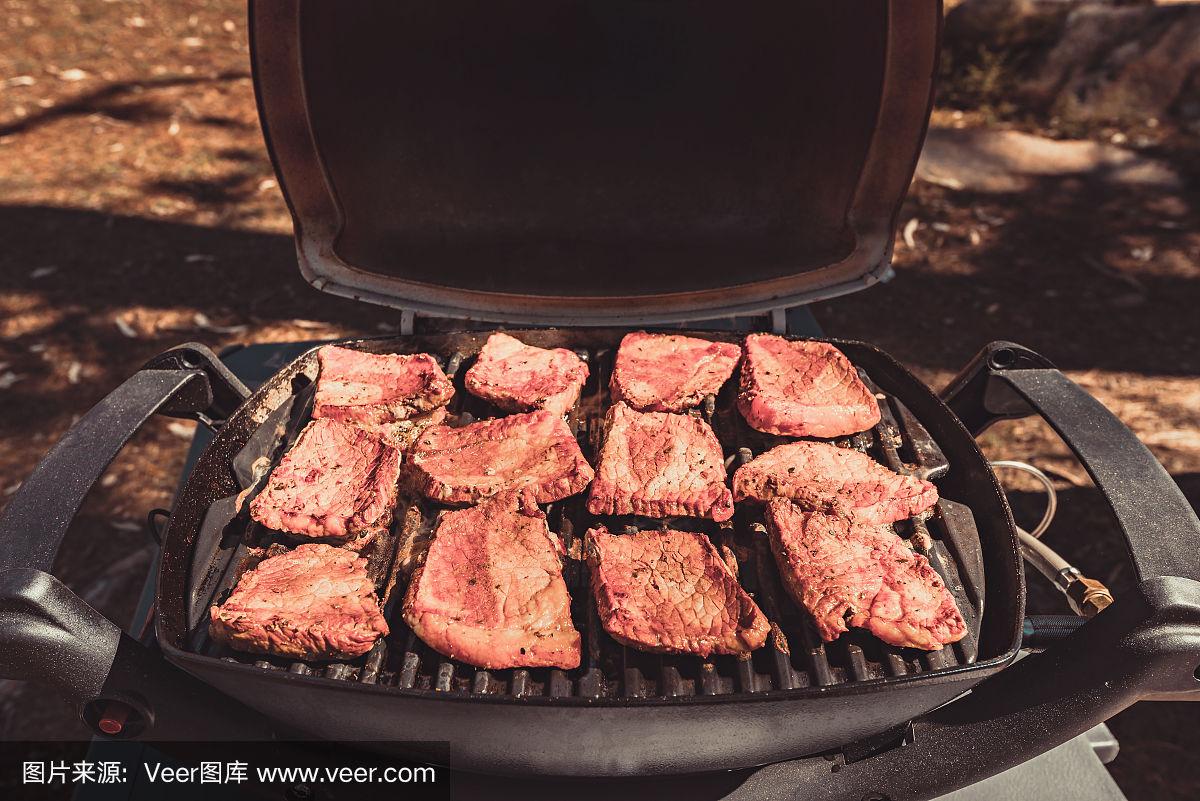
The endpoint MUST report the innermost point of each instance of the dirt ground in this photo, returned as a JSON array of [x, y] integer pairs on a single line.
[[139, 210]]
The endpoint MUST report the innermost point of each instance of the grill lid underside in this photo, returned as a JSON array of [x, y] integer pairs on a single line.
[[624, 162]]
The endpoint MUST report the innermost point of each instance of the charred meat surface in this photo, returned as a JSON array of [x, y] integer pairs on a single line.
[[491, 591], [820, 476], [802, 389], [671, 592], [534, 454], [337, 481], [402, 434], [521, 378], [848, 573], [374, 389], [660, 465], [314, 602], [668, 372]]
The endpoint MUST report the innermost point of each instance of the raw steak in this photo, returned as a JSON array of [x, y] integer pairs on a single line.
[[660, 465], [803, 389], [534, 454], [336, 481], [375, 388], [822, 476], [861, 574], [314, 602], [671, 592], [520, 378], [491, 591], [670, 373]]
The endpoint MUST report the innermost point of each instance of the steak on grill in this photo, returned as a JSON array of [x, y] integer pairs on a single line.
[[849, 573], [671, 592], [534, 454], [375, 388], [821, 476], [802, 389], [660, 465], [491, 591], [313, 602], [520, 378], [337, 481], [670, 373], [402, 434]]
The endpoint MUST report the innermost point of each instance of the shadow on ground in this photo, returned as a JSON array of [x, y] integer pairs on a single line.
[[1094, 278]]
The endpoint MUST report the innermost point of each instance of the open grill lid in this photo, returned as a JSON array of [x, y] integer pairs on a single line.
[[619, 162]]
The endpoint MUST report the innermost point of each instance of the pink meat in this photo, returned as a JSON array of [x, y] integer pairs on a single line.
[[822, 476], [861, 574], [660, 465], [802, 389], [402, 434], [670, 373], [376, 389], [671, 592], [337, 481], [491, 591], [534, 454], [520, 378], [314, 602]]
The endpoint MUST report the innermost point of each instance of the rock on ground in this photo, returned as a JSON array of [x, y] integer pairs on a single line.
[[986, 160], [1122, 64], [1090, 61]]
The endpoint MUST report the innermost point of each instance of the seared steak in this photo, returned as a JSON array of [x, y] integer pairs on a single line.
[[336, 481], [314, 602], [534, 454], [659, 464], [491, 591], [822, 476], [670, 373], [402, 434], [520, 378], [671, 592], [374, 388], [803, 389], [861, 574]]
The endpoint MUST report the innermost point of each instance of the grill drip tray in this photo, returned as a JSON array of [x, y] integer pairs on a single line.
[[229, 543]]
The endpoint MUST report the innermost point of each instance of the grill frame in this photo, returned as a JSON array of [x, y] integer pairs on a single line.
[[1143, 647], [848, 710]]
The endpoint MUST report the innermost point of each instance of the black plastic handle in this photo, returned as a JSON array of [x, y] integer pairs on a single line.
[[47, 632], [1146, 644], [1159, 525], [36, 520]]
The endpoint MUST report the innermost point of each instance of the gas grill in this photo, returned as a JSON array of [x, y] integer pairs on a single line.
[[796, 671], [682, 165]]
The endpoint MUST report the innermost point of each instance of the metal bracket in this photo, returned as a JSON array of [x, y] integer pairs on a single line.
[[227, 390], [979, 399], [408, 322]]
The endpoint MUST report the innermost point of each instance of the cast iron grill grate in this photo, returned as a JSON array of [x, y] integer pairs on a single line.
[[794, 657]]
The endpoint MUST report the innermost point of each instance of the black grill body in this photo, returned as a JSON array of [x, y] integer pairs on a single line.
[[794, 697]]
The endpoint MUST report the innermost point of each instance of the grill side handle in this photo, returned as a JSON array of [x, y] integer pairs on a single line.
[[47, 632], [1008, 381], [1145, 645]]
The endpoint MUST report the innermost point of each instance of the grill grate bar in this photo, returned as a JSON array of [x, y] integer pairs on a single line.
[[858, 663], [373, 664], [445, 677], [520, 683], [408, 670]]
